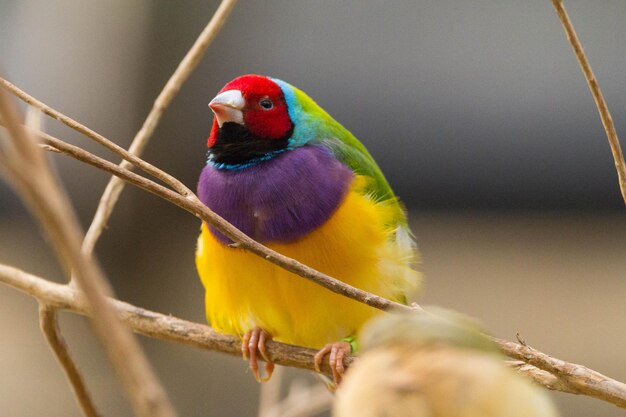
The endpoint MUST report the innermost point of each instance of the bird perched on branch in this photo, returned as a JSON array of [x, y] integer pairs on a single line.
[[422, 365], [284, 172]]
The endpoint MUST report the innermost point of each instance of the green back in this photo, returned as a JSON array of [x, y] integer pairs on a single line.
[[313, 125]]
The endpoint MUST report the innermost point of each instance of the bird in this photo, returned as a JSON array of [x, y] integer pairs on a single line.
[[436, 363], [284, 172]]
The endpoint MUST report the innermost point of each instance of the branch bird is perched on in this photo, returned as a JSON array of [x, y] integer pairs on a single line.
[[422, 365], [291, 177]]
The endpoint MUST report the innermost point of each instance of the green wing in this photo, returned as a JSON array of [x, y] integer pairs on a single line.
[[314, 125], [317, 126], [351, 152]]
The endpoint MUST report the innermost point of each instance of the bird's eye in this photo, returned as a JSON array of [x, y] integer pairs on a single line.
[[266, 103]]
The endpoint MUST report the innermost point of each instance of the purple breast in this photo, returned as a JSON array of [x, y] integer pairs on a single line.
[[279, 200]]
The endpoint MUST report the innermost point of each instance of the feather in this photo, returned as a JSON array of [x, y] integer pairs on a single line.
[[293, 178], [244, 291]]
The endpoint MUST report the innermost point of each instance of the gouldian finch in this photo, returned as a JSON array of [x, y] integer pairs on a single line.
[[424, 365], [284, 172]]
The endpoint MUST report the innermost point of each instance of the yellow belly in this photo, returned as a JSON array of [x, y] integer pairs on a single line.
[[243, 291]]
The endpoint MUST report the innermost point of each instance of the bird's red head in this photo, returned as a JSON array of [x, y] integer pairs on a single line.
[[254, 103]]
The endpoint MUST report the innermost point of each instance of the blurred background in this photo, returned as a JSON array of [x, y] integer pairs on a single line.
[[476, 111]]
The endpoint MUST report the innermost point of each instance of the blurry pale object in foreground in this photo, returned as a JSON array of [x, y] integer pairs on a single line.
[[441, 365]]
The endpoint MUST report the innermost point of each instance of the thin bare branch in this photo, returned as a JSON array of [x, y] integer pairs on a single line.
[[577, 378], [166, 327], [193, 205], [49, 327], [37, 185], [156, 325], [605, 115], [185, 68], [544, 378], [118, 150]]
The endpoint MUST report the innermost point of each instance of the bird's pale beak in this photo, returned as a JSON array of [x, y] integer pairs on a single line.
[[227, 107]]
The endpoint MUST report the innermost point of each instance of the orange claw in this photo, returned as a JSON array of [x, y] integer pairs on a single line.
[[254, 341], [338, 352]]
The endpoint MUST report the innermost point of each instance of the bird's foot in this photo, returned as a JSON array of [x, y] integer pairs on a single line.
[[337, 352], [252, 344]]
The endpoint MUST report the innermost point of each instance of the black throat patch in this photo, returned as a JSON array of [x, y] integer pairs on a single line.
[[236, 145]]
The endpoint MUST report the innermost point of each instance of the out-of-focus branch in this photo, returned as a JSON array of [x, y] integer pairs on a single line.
[[49, 327], [185, 68], [605, 115], [302, 401], [269, 395], [160, 404], [33, 179]]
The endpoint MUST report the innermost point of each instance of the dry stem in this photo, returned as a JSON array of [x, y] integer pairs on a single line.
[[69, 122], [577, 378], [548, 380], [185, 68], [193, 205], [50, 329], [35, 182], [166, 327], [156, 325], [605, 115], [567, 377]]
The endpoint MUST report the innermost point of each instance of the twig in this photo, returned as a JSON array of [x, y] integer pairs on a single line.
[[166, 327], [544, 378], [187, 65], [605, 115], [156, 325], [118, 150], [48, 321], [577, 378], [49, 327], [35, 182], [193, 205]]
